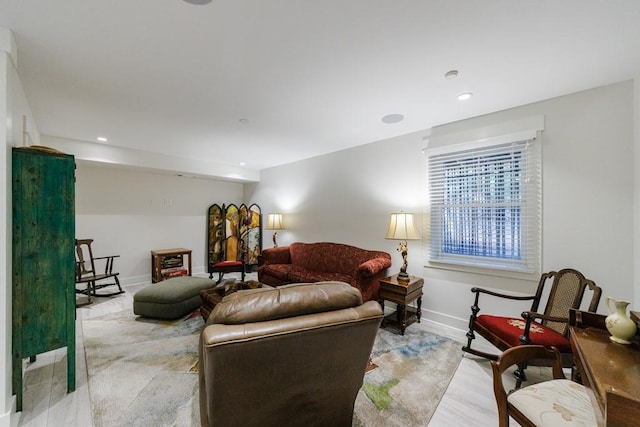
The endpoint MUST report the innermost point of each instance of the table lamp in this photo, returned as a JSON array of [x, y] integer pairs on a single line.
[[274, 222], [401, 228]]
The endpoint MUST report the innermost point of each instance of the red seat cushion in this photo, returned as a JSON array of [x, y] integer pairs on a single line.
[[509, 330], [227, 264]]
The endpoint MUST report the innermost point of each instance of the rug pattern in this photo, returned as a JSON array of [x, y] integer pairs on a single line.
[[143, 372], [412, 374]]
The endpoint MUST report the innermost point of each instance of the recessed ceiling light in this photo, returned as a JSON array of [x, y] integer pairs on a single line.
[[450, 75], [198, 1], [465, 96], [244, 121], [393, 118], [102, 139], [242, 163]]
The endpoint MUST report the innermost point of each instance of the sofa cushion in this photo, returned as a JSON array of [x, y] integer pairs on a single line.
[[303, 275], [263, 304], [279, 271], [329, 256]]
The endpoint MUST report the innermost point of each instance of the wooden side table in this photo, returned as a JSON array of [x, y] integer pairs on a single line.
[[402, 294]]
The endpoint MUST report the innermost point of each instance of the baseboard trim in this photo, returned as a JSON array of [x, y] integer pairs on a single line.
[[11, 418], [446, 320]]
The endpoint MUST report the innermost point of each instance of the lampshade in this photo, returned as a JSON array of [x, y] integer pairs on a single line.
[[274, 222], [401, 227]]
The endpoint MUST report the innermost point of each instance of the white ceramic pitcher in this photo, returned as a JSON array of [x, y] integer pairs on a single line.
[[619, 325]]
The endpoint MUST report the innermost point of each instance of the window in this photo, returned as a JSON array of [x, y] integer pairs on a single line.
[[484, 203]]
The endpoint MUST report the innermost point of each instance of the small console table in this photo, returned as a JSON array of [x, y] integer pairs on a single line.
[[403, 294], [166, 263]]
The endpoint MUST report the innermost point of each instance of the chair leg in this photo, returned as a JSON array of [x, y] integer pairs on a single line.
[[520, 374], [472, 319], [95, 287], [86, 292], [220, 276]]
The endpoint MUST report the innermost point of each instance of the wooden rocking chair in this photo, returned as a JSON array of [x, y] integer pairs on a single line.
[[86, 271], [549, 328]]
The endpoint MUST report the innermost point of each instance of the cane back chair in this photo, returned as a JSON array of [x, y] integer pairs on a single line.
[[549, 328]]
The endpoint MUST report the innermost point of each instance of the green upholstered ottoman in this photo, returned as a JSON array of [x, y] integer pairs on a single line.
[[171, 298]]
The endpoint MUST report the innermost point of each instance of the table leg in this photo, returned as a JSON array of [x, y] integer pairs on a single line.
[[419, 308], [402, 317]]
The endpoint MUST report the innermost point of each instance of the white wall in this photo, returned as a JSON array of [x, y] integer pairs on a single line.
[[636, 193], [130, 213], [587, 198], [346, 196], [14, 109], [5, 253]]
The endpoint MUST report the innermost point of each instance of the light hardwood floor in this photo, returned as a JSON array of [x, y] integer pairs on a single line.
[[468, 400]]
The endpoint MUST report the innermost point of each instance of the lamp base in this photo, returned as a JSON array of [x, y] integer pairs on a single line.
[[403, 277]]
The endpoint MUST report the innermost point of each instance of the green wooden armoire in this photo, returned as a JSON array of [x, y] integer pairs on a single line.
[[43, 189]]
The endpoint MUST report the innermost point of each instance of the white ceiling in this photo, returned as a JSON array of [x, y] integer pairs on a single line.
[[310, 77]]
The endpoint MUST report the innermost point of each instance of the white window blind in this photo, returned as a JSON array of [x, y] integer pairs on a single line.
[[485, 205]]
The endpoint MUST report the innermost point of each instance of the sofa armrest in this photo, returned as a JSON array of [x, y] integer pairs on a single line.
[[373, 266], [278, 255]]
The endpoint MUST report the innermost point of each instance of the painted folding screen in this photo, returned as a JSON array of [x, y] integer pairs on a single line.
[[232, 231]]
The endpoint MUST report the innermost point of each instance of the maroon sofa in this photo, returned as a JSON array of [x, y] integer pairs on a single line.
[[324, 261]]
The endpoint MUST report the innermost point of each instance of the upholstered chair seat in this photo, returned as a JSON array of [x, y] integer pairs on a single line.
[[554, 403], [510, 329]]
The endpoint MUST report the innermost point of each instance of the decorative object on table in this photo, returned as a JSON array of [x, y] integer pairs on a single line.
[[401, 228], [234, 239], [619, 324], [238, 286], [275, 223]]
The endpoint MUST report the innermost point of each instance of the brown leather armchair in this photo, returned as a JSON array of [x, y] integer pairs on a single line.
[[290, 356]]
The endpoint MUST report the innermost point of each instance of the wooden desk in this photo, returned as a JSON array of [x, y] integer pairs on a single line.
[[610, 370]]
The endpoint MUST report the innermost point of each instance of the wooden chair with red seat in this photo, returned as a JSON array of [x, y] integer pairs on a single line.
[[549, 328], [226, 246]]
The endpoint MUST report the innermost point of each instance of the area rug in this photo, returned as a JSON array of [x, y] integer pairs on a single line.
[[406, 378], [143, 372]]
